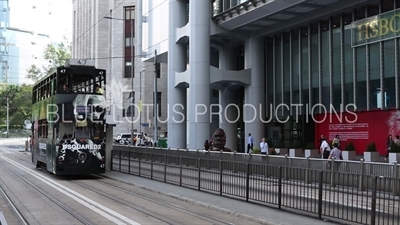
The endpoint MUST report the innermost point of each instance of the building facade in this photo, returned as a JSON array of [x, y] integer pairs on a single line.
[[277, 66], [102, 32]]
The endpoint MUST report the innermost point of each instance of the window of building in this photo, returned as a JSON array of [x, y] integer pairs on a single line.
[[325, 64], [129, 38], [295, 67], [278, 75], [128, 41], [129, 12], [128, 69], [389, 65], [270, 78], [286, 70], [348, 61], [374, 76], [305, 72], [314, 45], [336, 49]]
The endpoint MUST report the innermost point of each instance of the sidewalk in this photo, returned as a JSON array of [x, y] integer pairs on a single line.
[[254, 212]]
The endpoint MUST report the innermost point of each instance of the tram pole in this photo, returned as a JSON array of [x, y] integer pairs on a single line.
[[8, 115], [155, 98]]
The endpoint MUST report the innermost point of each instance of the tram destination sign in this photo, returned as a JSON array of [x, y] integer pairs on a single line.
[[376, 28]]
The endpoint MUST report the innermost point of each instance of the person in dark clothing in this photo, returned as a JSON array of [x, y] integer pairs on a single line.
[[389, 143], [206, 145], [321, 139]]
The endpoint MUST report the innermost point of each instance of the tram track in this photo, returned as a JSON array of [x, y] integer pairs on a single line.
[[67, 209], [13, 206], [128, 204], [155, 208], [152, 199], [149, 213]]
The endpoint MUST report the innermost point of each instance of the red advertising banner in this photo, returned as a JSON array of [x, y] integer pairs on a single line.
[[361, 128]]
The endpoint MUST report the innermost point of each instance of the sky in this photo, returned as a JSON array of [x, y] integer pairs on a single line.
[[52, 17]]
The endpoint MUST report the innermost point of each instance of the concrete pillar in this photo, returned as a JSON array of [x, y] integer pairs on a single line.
[[109, 145], [228, 101], [199, 88], [176, 63], [254, 94]]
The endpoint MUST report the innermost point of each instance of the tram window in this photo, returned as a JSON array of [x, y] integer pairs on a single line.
[[39, 128], [81, 134], [65, 129], [61, 81], [97, 131], [43, 129], [34, 96], [79, 82], [52, 87]]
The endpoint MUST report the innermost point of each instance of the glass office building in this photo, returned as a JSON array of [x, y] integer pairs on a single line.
[[348, 60]]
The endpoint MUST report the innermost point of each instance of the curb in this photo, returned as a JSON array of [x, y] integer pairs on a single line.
[[199, 203]]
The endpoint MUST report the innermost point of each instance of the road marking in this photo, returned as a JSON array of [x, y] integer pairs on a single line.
[[95, 206]]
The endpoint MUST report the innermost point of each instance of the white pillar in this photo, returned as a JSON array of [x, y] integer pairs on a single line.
[[176, 63], [199, 59], [254, 94], [227, 101]]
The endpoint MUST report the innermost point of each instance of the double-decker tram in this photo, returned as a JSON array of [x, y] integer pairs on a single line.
[[68, 120]]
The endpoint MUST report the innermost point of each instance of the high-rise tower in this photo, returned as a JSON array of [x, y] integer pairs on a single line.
[[4, 24]]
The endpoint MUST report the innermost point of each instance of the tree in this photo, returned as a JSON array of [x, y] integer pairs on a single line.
[[20, 107], [56, 54]]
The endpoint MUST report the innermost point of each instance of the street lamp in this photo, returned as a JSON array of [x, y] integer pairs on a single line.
[[131, 45], [140, 92]]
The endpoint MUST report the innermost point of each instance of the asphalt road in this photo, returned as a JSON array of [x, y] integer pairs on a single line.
[[118, 198]]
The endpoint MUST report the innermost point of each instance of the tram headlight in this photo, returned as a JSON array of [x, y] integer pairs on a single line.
[[82, 156]]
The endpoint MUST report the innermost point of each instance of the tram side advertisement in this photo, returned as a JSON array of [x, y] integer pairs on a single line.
[[361, 128]]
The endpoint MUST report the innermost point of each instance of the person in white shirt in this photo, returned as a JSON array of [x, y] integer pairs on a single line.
[[325, 149], [250, 144], [264, 147]]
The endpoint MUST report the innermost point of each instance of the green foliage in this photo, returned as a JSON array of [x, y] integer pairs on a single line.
[[256, 151], [395, 148], [350, 147], [20, 104], [56, 54], [371, 147]]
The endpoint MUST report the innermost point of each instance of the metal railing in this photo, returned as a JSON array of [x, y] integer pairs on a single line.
[[237, 9], [359, 198], [361, 167]]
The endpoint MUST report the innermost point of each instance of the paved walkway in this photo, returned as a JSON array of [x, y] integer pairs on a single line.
[[254, 212]]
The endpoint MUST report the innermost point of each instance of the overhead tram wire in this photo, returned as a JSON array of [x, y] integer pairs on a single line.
[[96, 23], [109, 14], [114, 57]]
